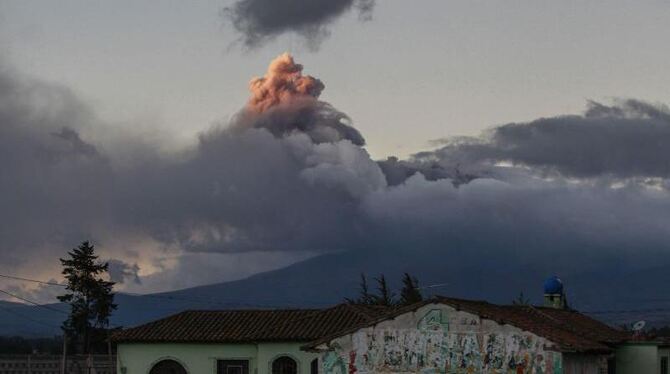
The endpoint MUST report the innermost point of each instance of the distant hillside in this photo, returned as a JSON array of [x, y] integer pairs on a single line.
[[604, 286]]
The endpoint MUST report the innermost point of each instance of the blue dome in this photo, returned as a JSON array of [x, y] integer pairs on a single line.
[[553, 285]]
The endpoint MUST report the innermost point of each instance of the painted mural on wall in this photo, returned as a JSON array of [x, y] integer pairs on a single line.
[[442, 342]]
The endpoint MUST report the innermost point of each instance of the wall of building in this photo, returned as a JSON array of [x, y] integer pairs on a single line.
[[268, 352], [201, 358], [663, 352], [637, 358], [439, 339], [584, 364]]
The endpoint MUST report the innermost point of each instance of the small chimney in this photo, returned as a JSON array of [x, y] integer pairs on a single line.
[[554, 295]]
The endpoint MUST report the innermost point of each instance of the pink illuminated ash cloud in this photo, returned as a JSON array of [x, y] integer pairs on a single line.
[[282, 83]]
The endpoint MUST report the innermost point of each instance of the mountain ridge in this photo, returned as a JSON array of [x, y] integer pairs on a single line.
[[330, 278]]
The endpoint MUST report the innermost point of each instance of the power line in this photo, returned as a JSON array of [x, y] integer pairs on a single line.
[[627, 311], [438, 285], [33, 302], [206, 301], [32, 280]]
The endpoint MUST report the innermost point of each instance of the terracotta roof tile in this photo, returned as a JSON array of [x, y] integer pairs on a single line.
[[570, 330], [240, 326]]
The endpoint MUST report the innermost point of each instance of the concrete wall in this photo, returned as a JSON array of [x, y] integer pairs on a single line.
[[663, 352], [439, 339], [584, 364], [201, 358], [637, 358]]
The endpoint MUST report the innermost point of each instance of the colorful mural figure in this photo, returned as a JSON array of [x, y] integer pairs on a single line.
[[440, 344], [332, 362]]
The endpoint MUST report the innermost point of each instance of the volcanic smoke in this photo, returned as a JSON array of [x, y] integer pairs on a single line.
[[282, 83]]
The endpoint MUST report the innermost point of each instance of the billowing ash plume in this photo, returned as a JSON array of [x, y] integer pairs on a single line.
[[286, 101], [282, 84], [261, 20], [288, 176]]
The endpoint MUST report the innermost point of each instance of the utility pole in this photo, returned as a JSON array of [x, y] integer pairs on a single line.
[[64, 363], [109, 350]]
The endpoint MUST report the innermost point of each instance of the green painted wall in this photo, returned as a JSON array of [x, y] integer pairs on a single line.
[[201, 358], [637, 358]]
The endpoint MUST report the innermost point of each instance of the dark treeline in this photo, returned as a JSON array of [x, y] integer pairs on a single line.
[[20, 345], [54, 346], [382, 295]]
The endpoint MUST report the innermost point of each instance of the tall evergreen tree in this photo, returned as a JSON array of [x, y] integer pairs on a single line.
[[521, 300], [364, 296], [410, 293], [385, 296], [88, 293]]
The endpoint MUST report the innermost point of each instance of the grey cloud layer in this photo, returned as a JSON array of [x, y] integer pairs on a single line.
[[261, 20], [53, 186], [245, 188], [626, 140]]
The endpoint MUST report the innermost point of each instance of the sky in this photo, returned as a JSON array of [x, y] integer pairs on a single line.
[[171, 63], [127, 122]]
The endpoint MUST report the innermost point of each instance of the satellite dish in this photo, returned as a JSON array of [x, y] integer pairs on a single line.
[[639, 325]]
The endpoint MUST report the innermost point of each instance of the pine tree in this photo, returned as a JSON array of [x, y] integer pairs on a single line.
[[521, 300], [410, 293], [89, 294], [385, 296], [364, 296]]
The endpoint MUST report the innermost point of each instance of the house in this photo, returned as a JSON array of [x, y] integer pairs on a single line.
[[438, 335], [233, 341], [643, 356], [448, 335]]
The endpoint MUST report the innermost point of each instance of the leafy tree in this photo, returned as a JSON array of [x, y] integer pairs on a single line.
[[88, 293], [385, 296], [521, 300], [410, 293]]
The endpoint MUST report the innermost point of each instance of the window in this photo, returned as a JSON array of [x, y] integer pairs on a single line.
[[611, 365], [284, 365], [232, 367], [314, 366], [664, 365], [167, 367]]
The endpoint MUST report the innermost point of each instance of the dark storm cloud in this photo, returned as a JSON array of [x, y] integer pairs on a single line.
[[272, 180], [285, 179], [625, 140], [53, 184], [252, 191], [261, 20]]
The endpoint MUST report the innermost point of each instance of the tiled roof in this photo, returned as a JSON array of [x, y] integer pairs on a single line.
[[244, 326], [570, 330]]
